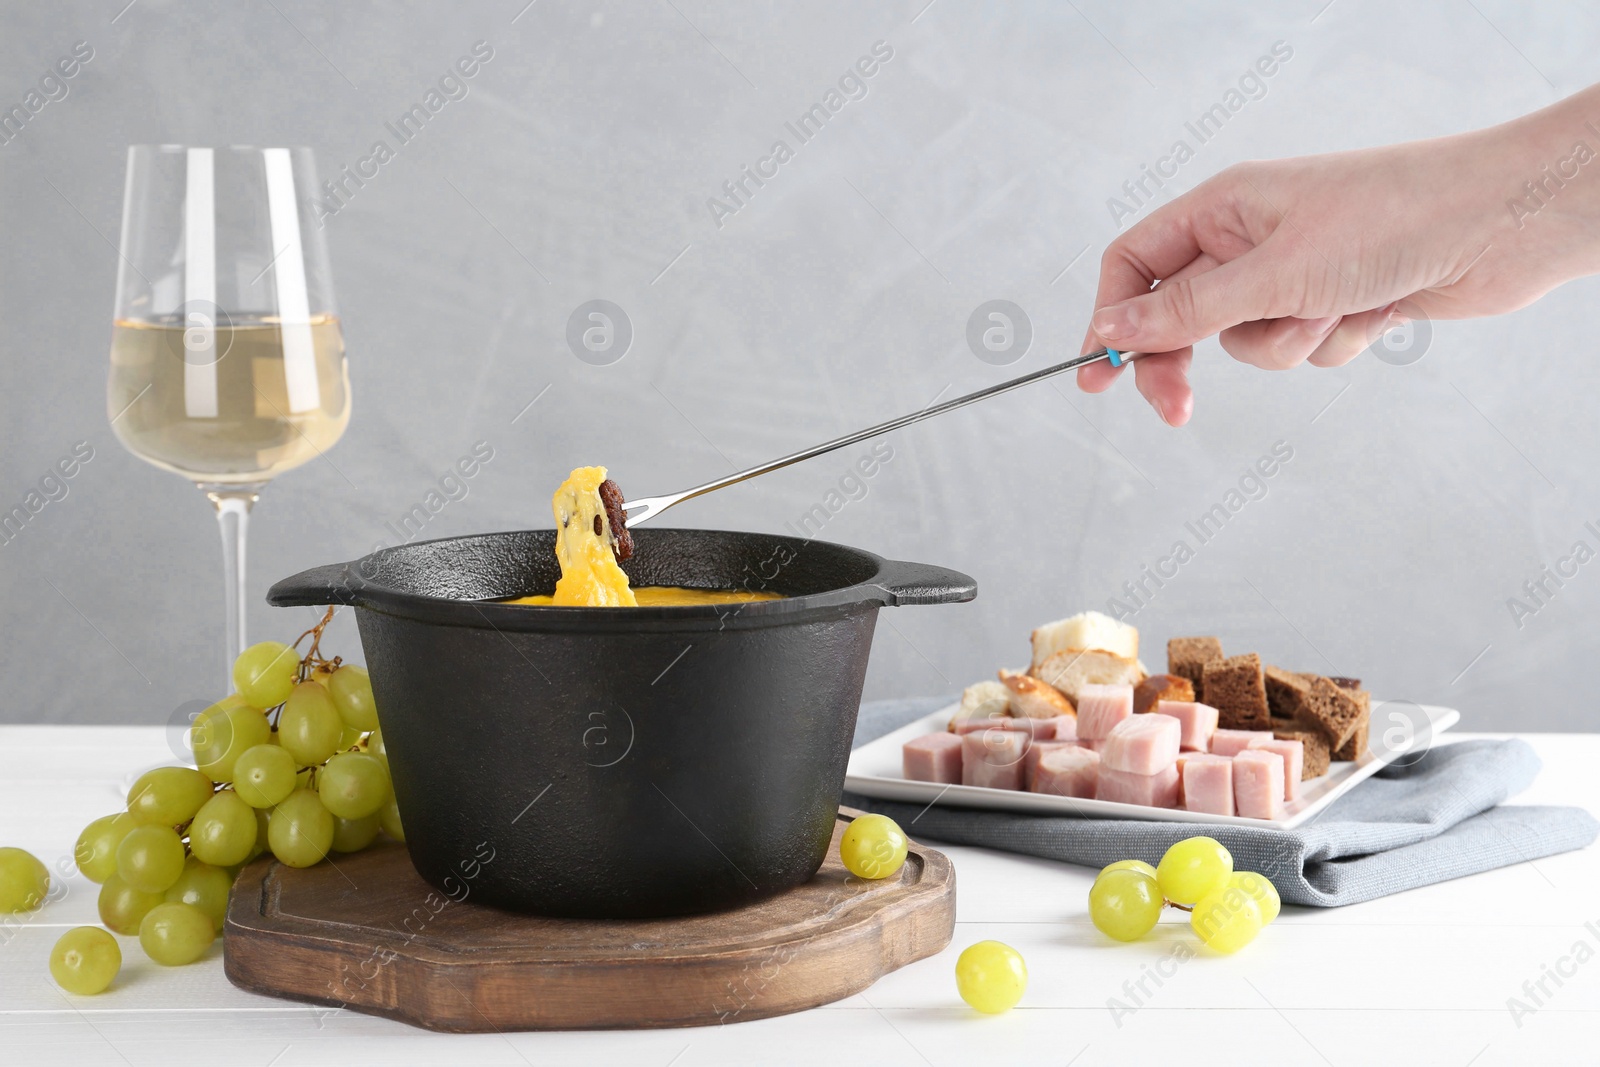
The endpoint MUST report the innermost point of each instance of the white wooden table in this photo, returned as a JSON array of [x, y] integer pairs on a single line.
[[1419, 978]]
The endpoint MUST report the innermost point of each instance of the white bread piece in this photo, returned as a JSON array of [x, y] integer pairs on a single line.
[[1088, 631], [983, 700], [1069, 671], [1033, 699]]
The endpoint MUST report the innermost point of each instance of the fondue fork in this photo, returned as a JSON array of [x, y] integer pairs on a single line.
[[646, 508]]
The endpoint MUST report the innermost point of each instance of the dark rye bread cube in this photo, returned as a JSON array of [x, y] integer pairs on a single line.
[[1336, 712], [1158, 687], [1236, 688], [1315, 764], [1188, 656], [1286, 690], [1356, 746]]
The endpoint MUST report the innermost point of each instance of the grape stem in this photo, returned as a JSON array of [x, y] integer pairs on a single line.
[[1180, 907], [313, 660]]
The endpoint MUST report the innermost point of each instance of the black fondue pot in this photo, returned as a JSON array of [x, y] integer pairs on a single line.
[[618, 762]]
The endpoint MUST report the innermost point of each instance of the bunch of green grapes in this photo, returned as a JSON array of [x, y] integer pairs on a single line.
[[1227, 909], [292, 762]]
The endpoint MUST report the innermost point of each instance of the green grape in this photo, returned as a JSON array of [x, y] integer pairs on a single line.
[[1263, 890], [352, 692], [389, 819], [991, 976], [350, 739], [262, 821], [1129, 865], [222, 732], [265, 673], [150, 858], [1192, 868], [375, 748], [85, 960], [168, 796], [264, 775], [176, 934], [873, 846], [353, 835], [1125, 904], [310, 727], [204, 886], [96, 850], [224, 831], [353, 785], [1227, 919], [123, 907], [24, 881], [300, 831]]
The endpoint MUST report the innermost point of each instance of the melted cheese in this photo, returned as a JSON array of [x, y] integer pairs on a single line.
[[590, 576], [673, 596]]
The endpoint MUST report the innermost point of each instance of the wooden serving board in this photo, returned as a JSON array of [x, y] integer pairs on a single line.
[[369, 934]]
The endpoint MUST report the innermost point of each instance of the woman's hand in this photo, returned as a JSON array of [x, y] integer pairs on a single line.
[[1311, 259]]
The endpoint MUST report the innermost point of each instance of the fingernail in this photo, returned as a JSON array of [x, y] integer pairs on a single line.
[[1115, 322], [1318, 327]]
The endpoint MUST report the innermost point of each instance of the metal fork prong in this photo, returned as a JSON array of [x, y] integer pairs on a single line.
[[638, 511]]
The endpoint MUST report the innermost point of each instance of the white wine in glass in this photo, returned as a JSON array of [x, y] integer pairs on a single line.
[[227, 364]]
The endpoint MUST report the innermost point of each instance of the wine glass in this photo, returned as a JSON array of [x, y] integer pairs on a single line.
[[227, 363]]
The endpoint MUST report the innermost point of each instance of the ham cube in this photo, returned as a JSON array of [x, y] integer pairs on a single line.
[[1038, 729], [993, 758], [1065, 770], [1152, 790], [1258, 783], [967, 726], [1036, 751], [1233, 742], [1294, 763], [1143, 744], [1208, 784], [1183, 757], [1100, 707], [932, 758], [1066, 727], [1199, 722]]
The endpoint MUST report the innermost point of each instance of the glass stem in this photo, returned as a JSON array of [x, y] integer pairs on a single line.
[[233, 503]]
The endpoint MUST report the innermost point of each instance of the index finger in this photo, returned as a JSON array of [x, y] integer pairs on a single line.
[[1153, 249], [1097, 377]]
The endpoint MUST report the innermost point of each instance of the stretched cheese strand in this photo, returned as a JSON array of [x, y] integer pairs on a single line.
[[590, 576]]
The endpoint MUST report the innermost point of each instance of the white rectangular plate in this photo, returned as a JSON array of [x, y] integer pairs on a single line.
[[1399, 729]]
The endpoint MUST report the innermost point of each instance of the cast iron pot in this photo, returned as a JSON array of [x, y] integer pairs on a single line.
[[611, 762]]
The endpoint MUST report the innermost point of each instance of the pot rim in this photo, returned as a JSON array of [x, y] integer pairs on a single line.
[[892, 583]]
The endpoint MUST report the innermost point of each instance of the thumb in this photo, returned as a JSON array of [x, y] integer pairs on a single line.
[[1184, 310]]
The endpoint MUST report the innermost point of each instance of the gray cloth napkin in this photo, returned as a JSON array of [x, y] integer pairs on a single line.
[[1407, 826]]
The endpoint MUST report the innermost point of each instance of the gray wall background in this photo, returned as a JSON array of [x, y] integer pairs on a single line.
[[978, 166]]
